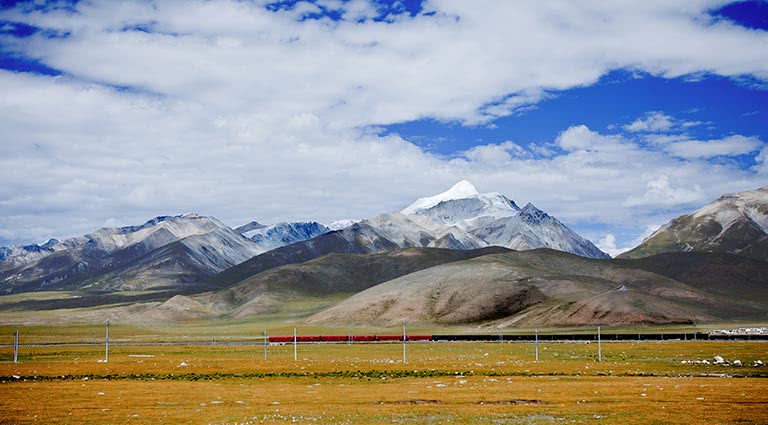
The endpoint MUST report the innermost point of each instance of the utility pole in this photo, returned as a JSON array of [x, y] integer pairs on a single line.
[[295, 353], [405, 360], [266, 341], [694, 330], [16, 346], [106, 343], [537, 345], [599, 346]]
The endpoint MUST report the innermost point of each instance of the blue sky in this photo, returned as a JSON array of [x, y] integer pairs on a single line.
[[617, 99], [614, 119]]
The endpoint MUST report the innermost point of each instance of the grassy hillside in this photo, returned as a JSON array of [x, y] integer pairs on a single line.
[[545, 287], [331, 275]]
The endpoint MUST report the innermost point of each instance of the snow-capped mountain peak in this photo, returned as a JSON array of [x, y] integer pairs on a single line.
[[463, 206], [493, 219], [736, 223], [731, 208], [271, 237], [460, 190]]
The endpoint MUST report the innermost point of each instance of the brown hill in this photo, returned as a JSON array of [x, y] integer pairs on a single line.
[[545, 287]]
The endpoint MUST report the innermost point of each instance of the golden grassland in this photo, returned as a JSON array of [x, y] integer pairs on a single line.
[[368, 383]]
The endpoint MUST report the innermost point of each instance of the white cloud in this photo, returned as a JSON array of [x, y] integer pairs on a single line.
[[728, 146], [496, 153], [375, 73], [761, 161], [580, 137], [659, 192], [608, 243], [652, 121], [655, 122], [661, 139], [242, 113]]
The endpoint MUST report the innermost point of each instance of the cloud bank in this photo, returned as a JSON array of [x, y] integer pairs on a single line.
[[231, 109]]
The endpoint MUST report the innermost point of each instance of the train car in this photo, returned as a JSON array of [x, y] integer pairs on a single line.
[[334, 338], [363, 338], [389, 337], [418, 338], [585, 337], [307, 338]]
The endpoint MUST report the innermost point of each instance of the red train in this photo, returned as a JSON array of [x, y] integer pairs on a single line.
[[349, 338]]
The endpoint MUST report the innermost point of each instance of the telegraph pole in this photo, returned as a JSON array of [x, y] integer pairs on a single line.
[[295, 353], [16, 346], [537, 345], [404, 339], [106, 343], [266, 340], [599, 347]]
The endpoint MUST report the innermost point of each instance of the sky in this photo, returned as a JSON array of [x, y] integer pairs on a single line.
[[612, 116]]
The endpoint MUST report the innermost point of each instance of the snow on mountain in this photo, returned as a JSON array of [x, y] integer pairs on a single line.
[[729, 209], [250, 226], [460, 190], [735, 223], [268, 238], [415, 231], [470, 212], [480, 219], [340, 224], [152, 234], [70, 262], [14, 256], [220, 249], [533, 228]]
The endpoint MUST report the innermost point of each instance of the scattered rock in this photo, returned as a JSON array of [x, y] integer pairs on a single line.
[[718, 360], [737, 362]]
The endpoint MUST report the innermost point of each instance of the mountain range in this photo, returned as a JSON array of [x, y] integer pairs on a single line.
[[185, 251], [458, 257], [735, 223], [165, 252]]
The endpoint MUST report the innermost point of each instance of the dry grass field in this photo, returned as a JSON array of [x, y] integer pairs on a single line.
[[368, 383]]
